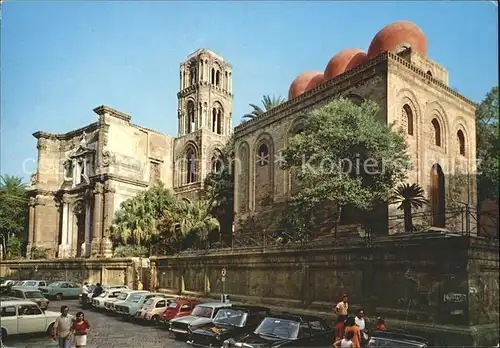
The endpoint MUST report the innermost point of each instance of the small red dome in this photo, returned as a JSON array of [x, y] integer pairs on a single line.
[[316, 80], [358, 59], [301, 82], [337, 65], [395, 34]]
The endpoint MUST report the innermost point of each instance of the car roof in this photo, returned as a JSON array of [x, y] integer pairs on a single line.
[[294, 316], [24, 289], [399, 336], [215, 304], [15, 302], [251, 308]]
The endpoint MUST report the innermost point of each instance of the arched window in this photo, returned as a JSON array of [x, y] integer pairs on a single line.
[[212, 80], [408, 119], [216, 163], [263, 155], [190, 122], [461, 142], [217, 78], [191, 166], [217, 120], [192, 73], [437, 132]]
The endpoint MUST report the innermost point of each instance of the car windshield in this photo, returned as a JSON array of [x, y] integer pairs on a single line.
[[135, 298], [231, 317], [278, 328], [33, 294], [149, 302], [202, 311], [172, 305], [54, 285], [122, 296]]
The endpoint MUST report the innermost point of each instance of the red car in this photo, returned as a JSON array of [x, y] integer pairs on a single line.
[[179, 308]]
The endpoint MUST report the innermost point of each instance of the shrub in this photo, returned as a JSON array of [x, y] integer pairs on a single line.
[[39, 253], [130, 251]]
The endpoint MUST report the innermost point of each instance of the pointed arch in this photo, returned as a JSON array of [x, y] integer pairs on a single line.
[[263, 176], [242, 176], [438, 196]]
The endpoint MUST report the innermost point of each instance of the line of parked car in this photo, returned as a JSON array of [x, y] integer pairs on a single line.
[[224, 325]]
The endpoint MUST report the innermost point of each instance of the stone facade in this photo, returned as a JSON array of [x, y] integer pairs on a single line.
[[411, 91], [84, 175], [440, 285]]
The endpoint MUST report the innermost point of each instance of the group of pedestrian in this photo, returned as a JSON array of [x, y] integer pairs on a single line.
[[351, 332], [70, 331]]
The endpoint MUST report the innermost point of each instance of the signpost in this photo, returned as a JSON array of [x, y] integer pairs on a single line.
[[223, 297]]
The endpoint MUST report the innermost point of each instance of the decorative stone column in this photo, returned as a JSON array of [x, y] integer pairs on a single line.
[[64, 246], [109, 211], [31, 228], [86, 244], [97, 219]]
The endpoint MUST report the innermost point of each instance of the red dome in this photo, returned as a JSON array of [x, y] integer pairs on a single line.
[[337, 65], [358, 59], [395, 34], [301, 82], [316, 80]]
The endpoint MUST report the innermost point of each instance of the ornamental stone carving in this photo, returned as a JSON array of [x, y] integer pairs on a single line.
[[98, 188]]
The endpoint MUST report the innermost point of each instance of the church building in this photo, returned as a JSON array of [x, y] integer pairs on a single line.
[[84, 175]]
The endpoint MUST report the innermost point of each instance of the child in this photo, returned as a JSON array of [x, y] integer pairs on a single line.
[[79, 329], [381, 324], [345, 342]]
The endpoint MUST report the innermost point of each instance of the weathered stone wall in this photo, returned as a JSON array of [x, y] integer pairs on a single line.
[[104, 271], [420, 279]]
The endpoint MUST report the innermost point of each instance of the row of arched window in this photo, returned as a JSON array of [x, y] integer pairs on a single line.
[[407, 121], [217, 118], [190, 165]]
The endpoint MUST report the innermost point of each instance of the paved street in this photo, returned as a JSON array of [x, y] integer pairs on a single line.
[[107, 332]]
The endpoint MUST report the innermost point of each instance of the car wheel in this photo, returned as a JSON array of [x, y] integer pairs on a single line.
[[156, 320], [59, 297], [4, 335], [49, 330]]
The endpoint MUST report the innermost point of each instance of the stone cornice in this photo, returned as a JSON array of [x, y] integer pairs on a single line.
[[66, 136], [118, 178], [104, 109], [203, 84], [425, 77], [327, 90], [150, 130]]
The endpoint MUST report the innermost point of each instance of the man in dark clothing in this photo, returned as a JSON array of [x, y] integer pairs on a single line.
[[98, 290]]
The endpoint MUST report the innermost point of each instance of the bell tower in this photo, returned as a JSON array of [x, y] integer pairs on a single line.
[[205, 102], [206, 95]]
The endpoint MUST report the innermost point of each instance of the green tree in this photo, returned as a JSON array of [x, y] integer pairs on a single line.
[[344, 157], [267, 102], [408, 197], [137, 219], [13, 209], [488, 146], [195, 223], [219, 191]]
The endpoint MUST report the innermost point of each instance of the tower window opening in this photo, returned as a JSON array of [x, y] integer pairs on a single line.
[[461, 142], [408, 117], [212, 80], [263, 156], [217, 78], [191, 166], [190, 127]]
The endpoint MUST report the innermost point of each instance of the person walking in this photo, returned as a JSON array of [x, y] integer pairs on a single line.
[[97, 291], [345, 342], [62, 328], [79, 330], [350, 326], [360, 322], [341, 311], [381, 324], [139, 285]]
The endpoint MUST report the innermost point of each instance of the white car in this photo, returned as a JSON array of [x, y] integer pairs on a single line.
[[25, 317], [98, 301]]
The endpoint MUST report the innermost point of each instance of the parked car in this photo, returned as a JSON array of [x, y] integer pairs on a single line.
[[153, 309], [202, 314], [286, 330], [31, 284], [90, 295], [25, 317], [110, 304], [181, 307], [31, 295], [228, 323], [396, 339], [98, 301], [60, 290], [135, 302]]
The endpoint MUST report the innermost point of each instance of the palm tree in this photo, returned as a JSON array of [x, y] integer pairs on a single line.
[[408, 197], [194, 221], [268, 103]]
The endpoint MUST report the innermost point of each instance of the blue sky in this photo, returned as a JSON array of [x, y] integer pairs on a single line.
[[62, 59]]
